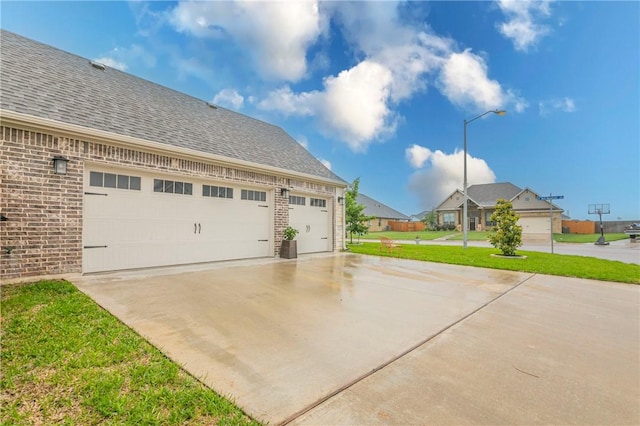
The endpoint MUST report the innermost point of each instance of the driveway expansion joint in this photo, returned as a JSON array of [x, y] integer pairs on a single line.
[[350, 384]]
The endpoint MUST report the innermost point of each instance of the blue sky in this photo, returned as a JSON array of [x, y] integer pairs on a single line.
[[379, 90]]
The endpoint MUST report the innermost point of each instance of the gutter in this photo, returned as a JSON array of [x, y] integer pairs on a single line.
[[38, 124]]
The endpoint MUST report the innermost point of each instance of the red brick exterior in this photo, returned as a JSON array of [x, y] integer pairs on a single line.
[[43, 233]]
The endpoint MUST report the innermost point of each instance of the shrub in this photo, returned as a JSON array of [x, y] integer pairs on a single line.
[[506, 234]]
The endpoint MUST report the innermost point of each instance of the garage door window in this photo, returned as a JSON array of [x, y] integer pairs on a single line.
[[298, 201], [318, 202], [217, 191], [172, 187], [111, 180], [250, 195]]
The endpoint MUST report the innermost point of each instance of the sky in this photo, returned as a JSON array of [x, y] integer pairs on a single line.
[[380, 90]]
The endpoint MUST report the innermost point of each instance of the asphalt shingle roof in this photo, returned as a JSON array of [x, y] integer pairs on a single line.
[[377, 209], [49, 83], [487, 194]]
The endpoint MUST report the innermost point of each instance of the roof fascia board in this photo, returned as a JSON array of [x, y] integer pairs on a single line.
[[72, 130]]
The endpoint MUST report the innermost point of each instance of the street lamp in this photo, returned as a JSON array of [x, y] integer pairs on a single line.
[[465, 220]]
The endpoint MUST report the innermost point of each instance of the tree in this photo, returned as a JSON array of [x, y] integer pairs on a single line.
[[507, 234], [355, 217], [430, 220]]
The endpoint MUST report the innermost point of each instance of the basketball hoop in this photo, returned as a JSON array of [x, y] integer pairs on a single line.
[[600, 209]]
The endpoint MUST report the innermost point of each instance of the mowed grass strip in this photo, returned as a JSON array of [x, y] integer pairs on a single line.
[[536, 262], [482, 236], [67, 361], [398, 235]]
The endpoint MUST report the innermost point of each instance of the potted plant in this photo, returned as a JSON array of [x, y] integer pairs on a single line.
[[289, 248]]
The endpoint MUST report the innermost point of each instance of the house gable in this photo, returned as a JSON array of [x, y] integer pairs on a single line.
[[527, 200], [452, 202]]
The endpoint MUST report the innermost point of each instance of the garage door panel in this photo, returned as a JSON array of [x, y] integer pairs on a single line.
[[534, 225], [144, 228], [314, 226]]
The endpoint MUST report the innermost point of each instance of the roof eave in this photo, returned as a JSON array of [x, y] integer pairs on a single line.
[[38, 124]]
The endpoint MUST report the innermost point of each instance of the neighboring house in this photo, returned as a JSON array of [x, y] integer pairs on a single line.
[[383, 214], [419, 217], [534, 214], [153, 177]]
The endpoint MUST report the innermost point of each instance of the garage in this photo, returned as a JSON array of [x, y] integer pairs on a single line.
[[311, 216], [106, 171], [137, 220], [534, 225]]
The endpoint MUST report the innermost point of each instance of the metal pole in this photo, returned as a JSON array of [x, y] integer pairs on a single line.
[[551, 220], [464, 188], [465, 224]]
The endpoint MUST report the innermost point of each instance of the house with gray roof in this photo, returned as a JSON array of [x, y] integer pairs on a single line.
[[383, 214], [144, 175], [535, 216]]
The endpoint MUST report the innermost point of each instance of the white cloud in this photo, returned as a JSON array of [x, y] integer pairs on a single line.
[[276, 33], [521, 26], [394, 59], [110, 62], [464, 81], [417, 155], [565, 104], [119, 57], [302, 140], [285, 101], [353, 104], [443, 174], [229, 98], [326, 163]]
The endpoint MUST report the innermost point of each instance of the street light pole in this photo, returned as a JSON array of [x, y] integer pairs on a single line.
[[465, 219]]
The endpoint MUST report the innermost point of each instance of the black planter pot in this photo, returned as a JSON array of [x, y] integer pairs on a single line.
[[289, 249]]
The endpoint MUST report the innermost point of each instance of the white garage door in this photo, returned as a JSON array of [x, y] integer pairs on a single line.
[[311, 216], [534, 225], [135, 220]]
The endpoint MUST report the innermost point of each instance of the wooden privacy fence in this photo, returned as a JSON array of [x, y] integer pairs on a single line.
[[406, 226], [579, 227]]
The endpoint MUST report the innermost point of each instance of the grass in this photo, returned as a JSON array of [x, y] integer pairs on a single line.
[[483, 236], [65, 360], [536, 262], [587, 238], [397, 235]]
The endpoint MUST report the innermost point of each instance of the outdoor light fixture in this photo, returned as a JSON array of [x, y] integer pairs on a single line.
[[284, 192], [341, 200], [465, 219], [60, 165]]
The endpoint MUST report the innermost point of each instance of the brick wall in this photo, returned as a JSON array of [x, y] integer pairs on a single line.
[[43, 233]]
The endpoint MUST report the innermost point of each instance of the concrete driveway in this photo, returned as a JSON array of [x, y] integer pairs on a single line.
[[349, 339]]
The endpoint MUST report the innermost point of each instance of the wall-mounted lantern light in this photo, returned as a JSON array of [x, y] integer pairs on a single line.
[[284, 192], [60, 165], [341, 200]]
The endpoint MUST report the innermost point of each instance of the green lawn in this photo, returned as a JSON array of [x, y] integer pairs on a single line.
[[536, 262], [396, 235], [482, 236], [67, 361], [587, 238]]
